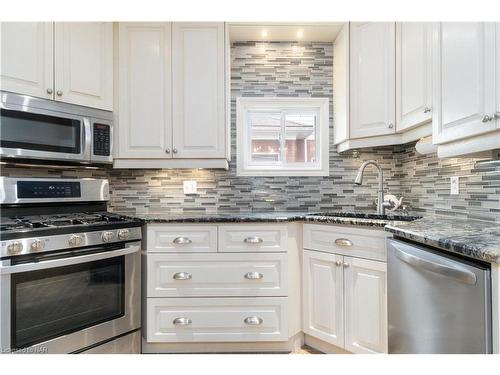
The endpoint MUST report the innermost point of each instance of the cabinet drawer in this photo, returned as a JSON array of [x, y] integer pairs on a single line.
[[363, 243], [216, 319], [198, 275], [251, 238], [181, 238]]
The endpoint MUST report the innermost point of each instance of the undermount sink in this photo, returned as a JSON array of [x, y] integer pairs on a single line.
[[368, 215]]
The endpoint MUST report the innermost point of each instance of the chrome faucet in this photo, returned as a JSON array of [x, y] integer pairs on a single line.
[[381, 205]]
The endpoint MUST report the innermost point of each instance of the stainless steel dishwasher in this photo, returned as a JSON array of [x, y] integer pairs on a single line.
[[437, 303]]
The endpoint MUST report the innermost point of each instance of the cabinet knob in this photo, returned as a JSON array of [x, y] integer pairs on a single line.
[[182, 276], [182, 321], [343, 242], [496, 116], [253, 276], [182, 241], [486, 118], [338, 263], [174, 151], [253, 239], [253, 321], [390, 126], [427, 110], [167, 151], [59, 93], [49, 91], [346, 265]]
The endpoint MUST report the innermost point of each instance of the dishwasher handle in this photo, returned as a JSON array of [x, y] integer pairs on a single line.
[[457, 273]]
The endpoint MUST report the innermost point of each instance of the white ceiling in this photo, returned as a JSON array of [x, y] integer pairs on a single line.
[[276, 32]]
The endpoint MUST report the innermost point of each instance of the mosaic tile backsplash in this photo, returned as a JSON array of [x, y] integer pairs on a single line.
[[305, 70]]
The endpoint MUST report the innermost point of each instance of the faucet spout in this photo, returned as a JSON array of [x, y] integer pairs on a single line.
[[380, 192]]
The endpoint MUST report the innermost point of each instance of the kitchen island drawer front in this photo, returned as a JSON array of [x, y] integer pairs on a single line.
[[181, 238], [217, 319], [252, 238], [213, 275], [363, 243]]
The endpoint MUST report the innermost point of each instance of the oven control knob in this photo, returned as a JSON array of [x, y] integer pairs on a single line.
[[107, 236], [75, 240], [37, 245], [124, 234], [14, 248]]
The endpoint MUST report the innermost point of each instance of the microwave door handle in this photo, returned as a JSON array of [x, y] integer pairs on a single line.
[[87, 139], [457, 273], [128, 249]]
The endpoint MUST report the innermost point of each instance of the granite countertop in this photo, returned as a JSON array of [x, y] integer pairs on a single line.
[[473, 238], [338, 217]]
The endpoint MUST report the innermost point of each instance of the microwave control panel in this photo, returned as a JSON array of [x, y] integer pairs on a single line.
[[102, 139]]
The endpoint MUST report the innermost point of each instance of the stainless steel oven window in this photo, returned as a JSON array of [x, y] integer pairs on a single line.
[[40, 132], [59, 301], [85, 337]]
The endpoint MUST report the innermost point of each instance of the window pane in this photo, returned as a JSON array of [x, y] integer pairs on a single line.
[[300, 138], [265, 130]]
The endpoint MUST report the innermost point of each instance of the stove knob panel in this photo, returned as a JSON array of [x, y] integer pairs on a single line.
[[37, 245], [14, 248], [107, 236], [124, 234], [75, 240]]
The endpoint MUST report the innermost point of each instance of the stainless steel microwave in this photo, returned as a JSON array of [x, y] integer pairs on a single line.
[[48, 131]]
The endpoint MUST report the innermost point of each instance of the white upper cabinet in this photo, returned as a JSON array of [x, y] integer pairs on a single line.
[[365, 305], [372, 79], [323, 297], [144, 90], [198, 73], [84, 63], [497, 64], [464, 69], [413, 74], [27, 58]]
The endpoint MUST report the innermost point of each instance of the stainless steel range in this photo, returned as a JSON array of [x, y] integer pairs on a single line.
[[69, 270]]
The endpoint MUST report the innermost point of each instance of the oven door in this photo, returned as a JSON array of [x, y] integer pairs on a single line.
[[35, 133], [63, 305]]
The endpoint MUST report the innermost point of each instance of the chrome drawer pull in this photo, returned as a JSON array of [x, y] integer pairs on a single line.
[[343, 242], [182, 321], [253, 321], [253, 276], [253, 239], [182, 276], [182, 241]]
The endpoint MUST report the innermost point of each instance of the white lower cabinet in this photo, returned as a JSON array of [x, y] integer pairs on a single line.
[[365, 301], [187, 275], [345, 297], [216, 319], [218, 283], [323, 297]]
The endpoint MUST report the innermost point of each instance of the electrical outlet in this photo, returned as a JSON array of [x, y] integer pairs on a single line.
[[454, 185], [190, 187]]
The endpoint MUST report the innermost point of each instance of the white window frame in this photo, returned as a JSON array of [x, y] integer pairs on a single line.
[[244, 166]]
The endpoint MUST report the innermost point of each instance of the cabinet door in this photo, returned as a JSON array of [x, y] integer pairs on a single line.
[[144, 84], [198, 90], [84, 63], [323, 307], [372, 86], [497, 73], [464, 76], [365, 305], [27, 58], [413, 74]]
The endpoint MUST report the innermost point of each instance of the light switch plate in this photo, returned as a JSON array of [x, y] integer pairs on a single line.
[[190, 187], [454, 185]]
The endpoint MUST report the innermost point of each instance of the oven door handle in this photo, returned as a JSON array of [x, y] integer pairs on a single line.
[[128, 249]]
